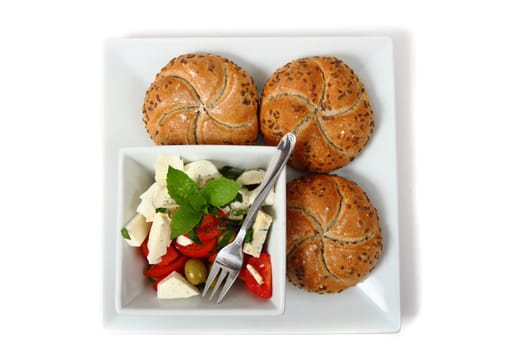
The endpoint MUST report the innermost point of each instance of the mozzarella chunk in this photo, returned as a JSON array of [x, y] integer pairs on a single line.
[[162, 165], [154, 197], [159, 237], [138, 230], [184, 241], [260, 228], [162, 199], [251, 177], [201, 171], [150, 191], [269, 200], [255, 177], [256, 275], [146, 206], [175, 286], [239, 205]]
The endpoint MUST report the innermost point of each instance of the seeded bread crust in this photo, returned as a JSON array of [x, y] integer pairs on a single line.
[[334, 237], [323, 101], [201, 99]]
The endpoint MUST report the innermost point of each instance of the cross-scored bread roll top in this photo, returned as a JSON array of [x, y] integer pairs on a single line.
[[201, 99], [334, 237], [323, 101]]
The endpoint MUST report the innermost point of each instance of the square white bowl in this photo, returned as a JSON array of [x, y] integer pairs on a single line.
[[134, 292]]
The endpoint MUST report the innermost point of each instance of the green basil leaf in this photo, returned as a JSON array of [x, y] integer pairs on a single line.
[[214, 211], [239, 212], [162, 210], [198, 202], [220, 191], [124, 232], [194, 237], [238, 197], [184, 220], [230, 172], [184, 190], [249, 236]]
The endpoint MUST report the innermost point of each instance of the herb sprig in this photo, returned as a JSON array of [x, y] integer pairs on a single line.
[[193, 202]]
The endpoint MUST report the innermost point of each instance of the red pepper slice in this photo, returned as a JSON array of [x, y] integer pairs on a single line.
[[212, 257], [208, 228], [169, 257], [178, 265], [159, 271], [197, 251], [263, 266]]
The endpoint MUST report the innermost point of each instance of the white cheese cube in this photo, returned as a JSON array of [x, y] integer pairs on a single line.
[[146, 206], [201, 171], [175, 286], [243, 205], [162, 165], [251, 177], [269, 200], [159, 238], [137, 229], [162, 199], [183, 241], [260, 228]]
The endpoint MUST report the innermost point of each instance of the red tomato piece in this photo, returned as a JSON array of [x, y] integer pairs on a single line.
[[178, 265], [212, 257], [160, 270], [171, 255], [263, 266], [197, 251], [208, 228], [208, 221]]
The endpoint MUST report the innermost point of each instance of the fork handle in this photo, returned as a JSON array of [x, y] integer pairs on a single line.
[[277, 164]]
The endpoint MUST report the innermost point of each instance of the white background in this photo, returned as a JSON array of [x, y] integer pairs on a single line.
[[460, 76]]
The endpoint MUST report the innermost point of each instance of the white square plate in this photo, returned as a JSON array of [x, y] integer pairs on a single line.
[[371, 306]]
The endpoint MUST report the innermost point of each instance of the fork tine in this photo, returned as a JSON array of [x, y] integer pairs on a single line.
[[223, 274], [211, 277], [227, 285]]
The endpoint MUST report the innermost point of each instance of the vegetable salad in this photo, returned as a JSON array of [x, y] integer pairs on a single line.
[[188, 214]]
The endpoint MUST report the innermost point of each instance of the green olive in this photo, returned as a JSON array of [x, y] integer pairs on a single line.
[[195, 271]]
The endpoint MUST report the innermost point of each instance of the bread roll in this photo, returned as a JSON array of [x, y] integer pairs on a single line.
[[333, 234], [323, 101], [201, 98]]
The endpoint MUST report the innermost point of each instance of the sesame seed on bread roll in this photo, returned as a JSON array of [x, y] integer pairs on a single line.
[[333, 233], [323, 101], [201, 99]]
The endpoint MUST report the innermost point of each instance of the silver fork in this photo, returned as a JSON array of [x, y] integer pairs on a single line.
[[229, 260]]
